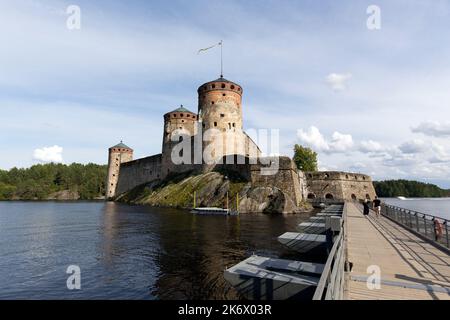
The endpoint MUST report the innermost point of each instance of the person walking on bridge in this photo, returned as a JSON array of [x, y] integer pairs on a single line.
[[377, 206], [366, 208]]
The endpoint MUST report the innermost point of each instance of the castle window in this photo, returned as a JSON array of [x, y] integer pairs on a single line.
[[234, 125], [222, 115], [232, 87], [182, 120], [346, 176], [213, 86], [175, 115], [229, 125], [215, 124], [223, 94], [239, 89], [329, 196], [181, 115], [212, 102], [311, 196], [223, 85], [356, 177]]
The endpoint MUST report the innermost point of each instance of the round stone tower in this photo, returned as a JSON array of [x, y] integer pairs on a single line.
[[118, 154], [220, 105], [180, 121], [220, 108]]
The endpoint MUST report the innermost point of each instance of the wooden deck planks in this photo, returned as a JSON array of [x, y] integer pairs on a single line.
[[401, 256]]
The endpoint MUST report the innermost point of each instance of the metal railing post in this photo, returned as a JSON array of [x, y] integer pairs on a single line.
[[417, 222], [446, 232], [425, 225]]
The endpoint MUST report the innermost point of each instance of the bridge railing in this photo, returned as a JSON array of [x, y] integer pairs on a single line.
[[332, 281], [422, 223]]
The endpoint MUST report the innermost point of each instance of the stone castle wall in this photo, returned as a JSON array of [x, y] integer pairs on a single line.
[[339, 185], [137, 172]]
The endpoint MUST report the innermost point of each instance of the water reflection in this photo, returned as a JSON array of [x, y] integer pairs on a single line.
[[128, 252]]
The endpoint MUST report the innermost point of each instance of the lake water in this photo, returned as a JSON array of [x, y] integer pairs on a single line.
[[439, 207], [128, 252]]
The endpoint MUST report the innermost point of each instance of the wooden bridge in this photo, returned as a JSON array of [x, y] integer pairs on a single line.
[[410, 266]]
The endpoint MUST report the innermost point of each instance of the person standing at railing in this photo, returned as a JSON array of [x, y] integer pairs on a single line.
[[437, 229], [366, 208], [377, 206]]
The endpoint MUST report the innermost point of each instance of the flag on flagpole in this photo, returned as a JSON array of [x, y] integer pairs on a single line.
[[213, 46]]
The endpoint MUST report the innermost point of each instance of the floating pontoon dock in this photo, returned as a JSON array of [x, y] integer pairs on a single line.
[[213, 210], [262, 278], [312, 227], [303, 242]]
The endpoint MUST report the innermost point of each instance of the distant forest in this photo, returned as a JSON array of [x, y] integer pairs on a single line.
[[43, 181], [409, 189]]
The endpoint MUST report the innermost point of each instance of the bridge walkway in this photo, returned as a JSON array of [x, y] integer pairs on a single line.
[[411, 268]]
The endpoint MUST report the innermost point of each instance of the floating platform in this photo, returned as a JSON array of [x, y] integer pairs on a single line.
[[213, 211], [312, 227], [317, 219], [262, 278], [303, 242]]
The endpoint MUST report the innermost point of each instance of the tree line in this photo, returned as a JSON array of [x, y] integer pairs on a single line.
[[42, 180], [408, 188]]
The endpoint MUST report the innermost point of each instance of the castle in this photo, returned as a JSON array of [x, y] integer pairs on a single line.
[[202, 141]]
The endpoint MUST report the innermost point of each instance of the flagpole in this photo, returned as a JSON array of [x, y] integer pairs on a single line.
[[221, 58]]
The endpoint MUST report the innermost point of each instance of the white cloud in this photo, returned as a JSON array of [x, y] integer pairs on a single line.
[[337, 81], [370, 146], [49, 154], [341, 142], [313, 138], [413, 146], [433, 128]]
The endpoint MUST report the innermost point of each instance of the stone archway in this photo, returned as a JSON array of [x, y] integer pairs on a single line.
[[329, 196], [311, 196]]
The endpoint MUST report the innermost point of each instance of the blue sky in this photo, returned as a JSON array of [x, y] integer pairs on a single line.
[[373, 101]]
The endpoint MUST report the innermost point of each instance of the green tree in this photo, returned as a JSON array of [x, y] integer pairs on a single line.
[[305, 158], [40, 181]]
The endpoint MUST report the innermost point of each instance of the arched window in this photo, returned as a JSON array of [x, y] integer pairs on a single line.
[[232, 87], [329, 196], [311, 196], [223, 85]]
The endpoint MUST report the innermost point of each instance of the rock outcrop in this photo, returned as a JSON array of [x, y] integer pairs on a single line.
[[211, 190]]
